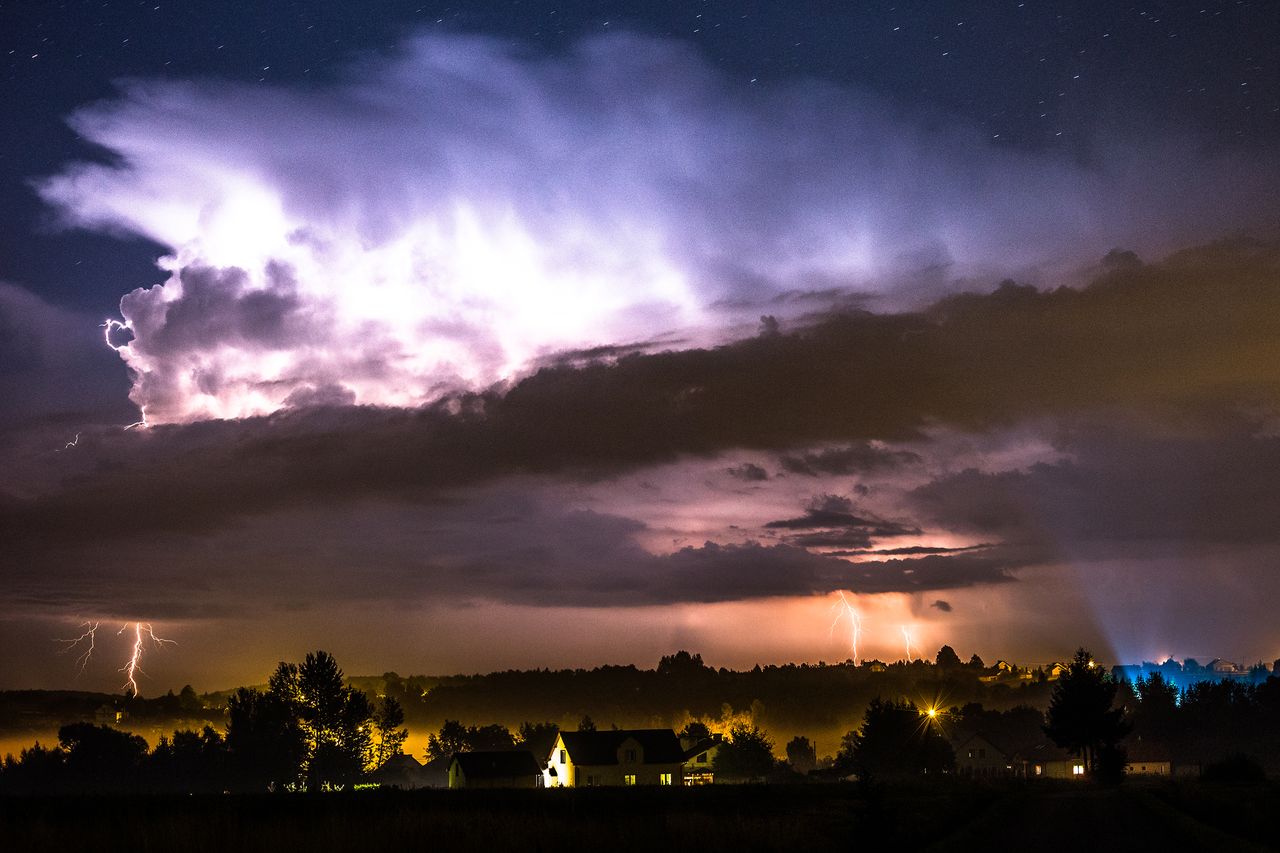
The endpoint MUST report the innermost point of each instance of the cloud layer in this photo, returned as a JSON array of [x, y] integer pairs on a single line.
[[465, 209]]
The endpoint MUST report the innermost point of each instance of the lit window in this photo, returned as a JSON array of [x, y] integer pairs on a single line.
[[1077, 769], [562, 757], [629, 779], [1039, 770], [664, 779]]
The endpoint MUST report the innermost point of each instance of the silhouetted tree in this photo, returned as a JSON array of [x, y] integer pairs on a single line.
[[1156, 709], [190, 761], [680, 664], [745, 755], [489, 738], [98, 757], [37, 769], [586, 724], [1081, 718], [334, 718], [451, 738], [455, 737], [801, 754], [976, 662], [895, 739], [388, 736], [266, 746], [947, 658], [695, 729], [538, 738]]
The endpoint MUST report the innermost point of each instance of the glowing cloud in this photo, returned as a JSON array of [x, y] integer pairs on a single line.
[[449, 216]]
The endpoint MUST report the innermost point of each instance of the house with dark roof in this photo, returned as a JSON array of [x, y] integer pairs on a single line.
[[980, 757], [513, 768], [406, 772], [1048, 761], [1143, 758], [700, 759], [616, 758]]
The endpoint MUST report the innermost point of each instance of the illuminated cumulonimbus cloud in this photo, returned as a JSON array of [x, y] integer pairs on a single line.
[[447, 216]]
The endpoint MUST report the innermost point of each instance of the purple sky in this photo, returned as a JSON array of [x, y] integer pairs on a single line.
[[476, 357]]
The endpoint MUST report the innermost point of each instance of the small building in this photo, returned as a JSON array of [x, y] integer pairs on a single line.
[[513, 768], [1056, 670], [1048, 761], [1147, 759], [615, 758], [699, 759], [406, 772], [978, 757]]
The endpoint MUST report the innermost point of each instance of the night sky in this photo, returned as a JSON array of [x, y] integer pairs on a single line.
[[493, 335]]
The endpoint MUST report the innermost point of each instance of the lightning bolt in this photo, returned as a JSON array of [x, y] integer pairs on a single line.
[[844, 610], [906, 639], [70, 444], [133, 667], [108, 327], [88, 638]]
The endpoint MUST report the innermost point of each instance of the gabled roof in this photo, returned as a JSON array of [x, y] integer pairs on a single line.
[[701, 746], [962, 740], [660, 746], [403, 762], [1049, 752], [507, 764]]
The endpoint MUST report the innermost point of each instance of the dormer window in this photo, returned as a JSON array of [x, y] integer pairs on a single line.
[[562, 757], [629, 755]]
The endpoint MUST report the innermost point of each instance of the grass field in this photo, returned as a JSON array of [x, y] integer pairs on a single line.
[[800, 817]]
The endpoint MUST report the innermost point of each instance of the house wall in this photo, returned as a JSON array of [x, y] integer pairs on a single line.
[[1148, 768], [563, 763], [1057, 769], [978, 758], [698, 770], [615, 774], [570, 774]]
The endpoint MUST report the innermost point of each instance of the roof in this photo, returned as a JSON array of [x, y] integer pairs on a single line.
[[497, 765], [1049, 752], [962, 740], [703, 745], [403, 761], [659, 746]]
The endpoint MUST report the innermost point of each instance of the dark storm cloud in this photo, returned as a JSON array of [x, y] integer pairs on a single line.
[[1195, 336], [856, 458], [750, 472], [497, 545], [54, 368], [834, 524], [1123, 485]]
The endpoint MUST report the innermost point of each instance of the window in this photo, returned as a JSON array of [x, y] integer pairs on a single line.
[[562, 757], [630, 755], [629, 779], [1039, 770], [702, 758], [1077, 769], [591, 781], [971, 753], [664, 779]]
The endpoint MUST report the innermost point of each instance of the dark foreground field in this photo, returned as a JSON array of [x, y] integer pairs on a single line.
[[837, 817]]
